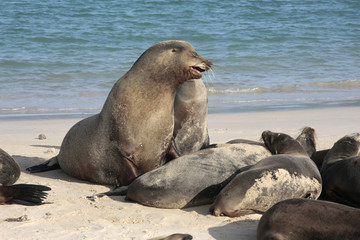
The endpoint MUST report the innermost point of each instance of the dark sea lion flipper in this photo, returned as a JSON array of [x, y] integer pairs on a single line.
[[49, 165], [24, 194], [173, 152], [176, 236]]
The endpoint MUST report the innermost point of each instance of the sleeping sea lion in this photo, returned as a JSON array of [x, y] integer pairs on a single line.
[[26, 194], [298, 219], [288, 174]]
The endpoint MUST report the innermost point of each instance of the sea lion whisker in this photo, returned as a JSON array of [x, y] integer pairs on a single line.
[[210, 77]]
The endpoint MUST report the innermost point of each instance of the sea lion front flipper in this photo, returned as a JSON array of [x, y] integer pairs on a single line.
[[173, 152], [49, 165], [25, 194]]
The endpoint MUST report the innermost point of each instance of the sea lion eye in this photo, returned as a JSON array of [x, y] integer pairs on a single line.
[[194, 54]]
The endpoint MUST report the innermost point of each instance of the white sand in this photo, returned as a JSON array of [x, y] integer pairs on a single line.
[[72, 216]]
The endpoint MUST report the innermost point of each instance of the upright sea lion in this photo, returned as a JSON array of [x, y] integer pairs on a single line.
[[341, 171], [290, 173], [26, 194], [133, 132], [190, 110], [299, 219], [195, 178]]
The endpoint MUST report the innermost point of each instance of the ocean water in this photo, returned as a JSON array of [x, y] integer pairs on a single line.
[[61, 58]]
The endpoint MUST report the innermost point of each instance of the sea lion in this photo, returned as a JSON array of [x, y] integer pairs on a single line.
[[26, 194], [190, 110], [298, 219], [307, 140], [195, 178], [319, 156], [133, 132], [288, 174], [341, 171], [9, 169]]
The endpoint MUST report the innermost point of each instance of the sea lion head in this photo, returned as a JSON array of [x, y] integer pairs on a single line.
[[347, 146], [172, 59], [280, 143], [307, 140]]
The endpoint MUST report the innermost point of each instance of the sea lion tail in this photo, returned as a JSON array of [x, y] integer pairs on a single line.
[[49, 165], [25, 194]]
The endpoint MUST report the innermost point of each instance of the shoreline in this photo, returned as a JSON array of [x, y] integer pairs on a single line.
[[222, 126], [72, 216], [219, 109]]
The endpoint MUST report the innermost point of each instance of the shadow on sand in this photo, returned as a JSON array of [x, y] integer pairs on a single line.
[[244, 230]]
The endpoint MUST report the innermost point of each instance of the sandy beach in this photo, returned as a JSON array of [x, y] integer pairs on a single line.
[[70, 215]]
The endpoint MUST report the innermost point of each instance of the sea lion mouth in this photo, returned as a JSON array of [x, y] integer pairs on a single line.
[[198, 69]]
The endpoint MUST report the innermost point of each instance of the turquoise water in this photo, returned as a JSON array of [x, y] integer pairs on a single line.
[[61, 58]]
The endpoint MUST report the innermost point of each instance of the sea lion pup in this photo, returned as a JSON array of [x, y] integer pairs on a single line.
[[341, 171], [190, 110], [133, 132], [26, 194], [195, 178], [288, 174], [298, 219]]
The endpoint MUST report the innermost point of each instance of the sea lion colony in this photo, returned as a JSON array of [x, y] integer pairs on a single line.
[[125, 145]]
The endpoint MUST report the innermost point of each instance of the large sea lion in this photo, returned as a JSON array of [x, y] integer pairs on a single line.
[[299, 219], [26, 194], [290, 173], [341, 171], [133, 132], [195, 178], [190, 110]]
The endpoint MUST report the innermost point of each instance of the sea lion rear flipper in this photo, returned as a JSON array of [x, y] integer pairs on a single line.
[[25, 194], [117, 191], [49, 165], [176, 236]]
